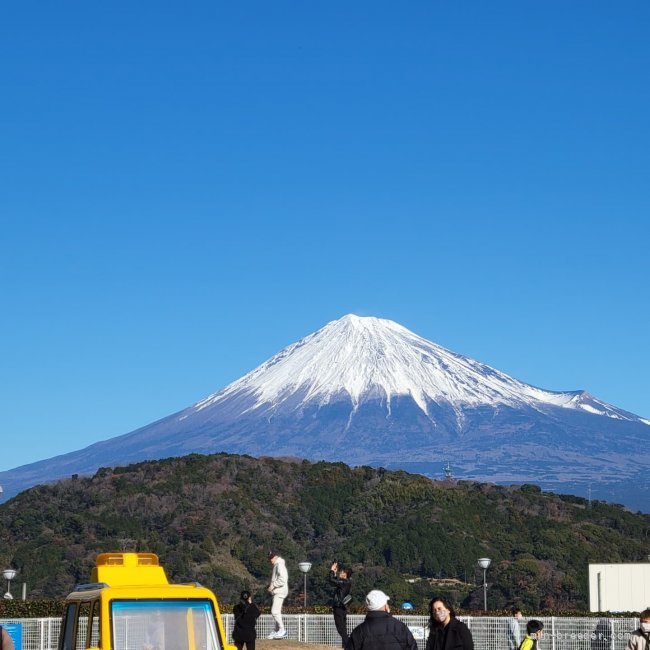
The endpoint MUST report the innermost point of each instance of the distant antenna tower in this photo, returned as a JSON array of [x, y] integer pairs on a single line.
[[447, 469], [589, 498]]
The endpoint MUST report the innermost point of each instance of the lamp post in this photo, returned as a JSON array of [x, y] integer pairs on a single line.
[[304, 567], [9, 575], [484, 563]]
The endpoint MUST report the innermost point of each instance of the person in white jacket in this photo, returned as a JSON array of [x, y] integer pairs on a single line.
[[279, 588]]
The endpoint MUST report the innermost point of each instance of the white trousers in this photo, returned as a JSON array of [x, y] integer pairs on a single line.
[[276, 612]]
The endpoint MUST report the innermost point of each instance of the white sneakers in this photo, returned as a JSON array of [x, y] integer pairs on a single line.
[[280, 634]]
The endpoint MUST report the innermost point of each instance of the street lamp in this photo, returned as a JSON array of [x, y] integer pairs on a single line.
[[484, 563], [9, 575], [304, 567]]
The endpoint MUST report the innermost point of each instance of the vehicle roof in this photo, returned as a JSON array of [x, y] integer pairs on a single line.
[[129, 569], [183, 591], [133, 575]]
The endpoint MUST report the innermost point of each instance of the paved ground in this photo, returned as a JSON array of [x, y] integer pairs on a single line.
[[284, 644]]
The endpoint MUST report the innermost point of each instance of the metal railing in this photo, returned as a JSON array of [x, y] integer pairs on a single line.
[[489, 633]]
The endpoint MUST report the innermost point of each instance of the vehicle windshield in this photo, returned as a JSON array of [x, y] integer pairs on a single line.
[[164, 625]]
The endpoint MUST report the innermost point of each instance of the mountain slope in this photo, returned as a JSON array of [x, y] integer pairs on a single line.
[[369, 391], [212, 519]]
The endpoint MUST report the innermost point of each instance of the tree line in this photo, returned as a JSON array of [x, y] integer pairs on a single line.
[[213, 518]]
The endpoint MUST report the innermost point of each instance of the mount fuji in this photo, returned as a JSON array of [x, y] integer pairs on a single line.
[[369, 391]]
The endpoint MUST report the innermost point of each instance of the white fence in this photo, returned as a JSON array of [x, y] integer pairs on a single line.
[[489, 633]]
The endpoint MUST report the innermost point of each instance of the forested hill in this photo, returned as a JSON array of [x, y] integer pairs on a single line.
[[212, 519]]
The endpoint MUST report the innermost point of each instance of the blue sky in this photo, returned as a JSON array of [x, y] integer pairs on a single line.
[[187, 188]]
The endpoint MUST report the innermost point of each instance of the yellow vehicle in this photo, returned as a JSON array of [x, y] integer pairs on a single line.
[[130, 605]]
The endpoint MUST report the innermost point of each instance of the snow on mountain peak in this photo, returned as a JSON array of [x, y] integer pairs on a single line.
[[358, 357]]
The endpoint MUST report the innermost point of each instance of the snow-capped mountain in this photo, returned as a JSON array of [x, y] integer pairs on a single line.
[[369, 391], [355, 359]]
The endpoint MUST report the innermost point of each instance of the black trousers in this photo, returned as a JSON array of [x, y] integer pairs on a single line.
[[340, 619], [250, 645]]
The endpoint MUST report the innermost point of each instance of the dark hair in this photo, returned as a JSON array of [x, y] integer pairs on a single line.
[[515, 610], [645, 613], [245, 595], [534, 626], [347, 569], [439, 599]]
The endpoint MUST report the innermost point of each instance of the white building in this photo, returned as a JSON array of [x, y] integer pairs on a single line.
[[619, 587]]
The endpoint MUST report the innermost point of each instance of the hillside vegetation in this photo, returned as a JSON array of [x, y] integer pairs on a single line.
[[213, 518]]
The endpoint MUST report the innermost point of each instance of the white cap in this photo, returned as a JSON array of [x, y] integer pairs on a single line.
[[376, 600]]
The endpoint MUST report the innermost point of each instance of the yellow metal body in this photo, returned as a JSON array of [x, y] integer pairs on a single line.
[[129, 578], [118, 569]]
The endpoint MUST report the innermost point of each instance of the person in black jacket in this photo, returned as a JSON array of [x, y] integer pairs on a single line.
[[340, 576], [446, 632], [380, 631], [246, 615], [602, 636]]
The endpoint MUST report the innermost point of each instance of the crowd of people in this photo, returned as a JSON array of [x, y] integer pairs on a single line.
[[380, 630]]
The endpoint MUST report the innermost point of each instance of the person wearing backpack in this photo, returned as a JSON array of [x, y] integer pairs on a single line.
[[246, 614], [340, 576]]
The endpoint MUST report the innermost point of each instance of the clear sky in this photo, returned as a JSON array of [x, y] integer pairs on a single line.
[[186, 188]]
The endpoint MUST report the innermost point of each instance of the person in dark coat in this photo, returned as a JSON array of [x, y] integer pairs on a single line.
[[340, 577], [379, 630], [446, 632], [602, 637], [246, 615]]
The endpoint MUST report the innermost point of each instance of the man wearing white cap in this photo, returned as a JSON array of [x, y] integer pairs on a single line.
[[380, 631]]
